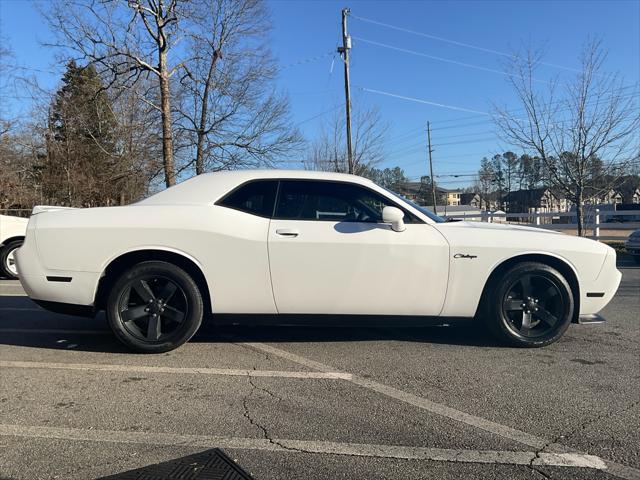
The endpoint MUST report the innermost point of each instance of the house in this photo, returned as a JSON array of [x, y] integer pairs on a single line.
[[630, 194], [535, 199], [450, 197], [611, 196], [420, 192], [417, 192], [471, 199]]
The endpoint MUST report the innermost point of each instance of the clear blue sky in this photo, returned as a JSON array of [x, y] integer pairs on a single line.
[[305, 30]]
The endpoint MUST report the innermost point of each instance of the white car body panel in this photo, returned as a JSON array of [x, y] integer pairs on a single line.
[[330, 267], [330, 264], [12, 227], [495, 243]]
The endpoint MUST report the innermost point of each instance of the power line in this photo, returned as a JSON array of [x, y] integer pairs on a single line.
[[456, 42], [447, 60], [308, 60], [320, 114], [479, 140], [557, 102], [452, 107], [418, 100], [397, 141]]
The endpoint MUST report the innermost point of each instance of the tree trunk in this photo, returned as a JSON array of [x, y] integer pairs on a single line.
[[167, 135], [204, 113], [580, 211]]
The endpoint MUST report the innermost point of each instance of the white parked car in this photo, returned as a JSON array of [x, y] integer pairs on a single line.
[[299, 242], [632, 245], [12, 232]]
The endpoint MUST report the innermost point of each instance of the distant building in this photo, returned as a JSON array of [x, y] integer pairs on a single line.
[[630, 194], [451, 197], [611, 196], [420, 192], [535, 199], [471, 199], [415, 191]]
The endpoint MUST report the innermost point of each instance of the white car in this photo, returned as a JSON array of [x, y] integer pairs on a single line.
[[632, 245], [12, 232], [300, 242]]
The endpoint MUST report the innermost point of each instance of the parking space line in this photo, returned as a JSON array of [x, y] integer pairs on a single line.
[[416, 401], [538, 443], [309, 446], [175, 370]]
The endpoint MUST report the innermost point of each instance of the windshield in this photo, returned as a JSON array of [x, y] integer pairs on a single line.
[[424, 210]]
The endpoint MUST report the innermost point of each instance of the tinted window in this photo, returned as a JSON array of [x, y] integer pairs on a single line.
[[329, 201], [255, 197]]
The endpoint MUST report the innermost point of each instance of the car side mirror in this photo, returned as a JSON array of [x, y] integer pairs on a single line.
[[394, 216]]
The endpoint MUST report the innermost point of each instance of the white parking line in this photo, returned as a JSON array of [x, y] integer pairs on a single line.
[[306, 446], [416, 401], [613, 468], [97, 367]]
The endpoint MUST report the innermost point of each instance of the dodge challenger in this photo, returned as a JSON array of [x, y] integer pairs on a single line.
[[300, 243]]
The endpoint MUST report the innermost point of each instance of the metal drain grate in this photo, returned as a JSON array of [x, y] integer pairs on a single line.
[[209, 465]]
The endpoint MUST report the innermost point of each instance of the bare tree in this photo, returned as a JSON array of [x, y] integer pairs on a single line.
[[328, 152], [229, 114], [126, 40], [570, 126]]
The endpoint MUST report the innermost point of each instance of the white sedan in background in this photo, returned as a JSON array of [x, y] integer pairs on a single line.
[[299, 242], [12, 232]]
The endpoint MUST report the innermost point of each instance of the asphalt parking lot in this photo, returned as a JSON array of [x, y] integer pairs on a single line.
[[322, 403]]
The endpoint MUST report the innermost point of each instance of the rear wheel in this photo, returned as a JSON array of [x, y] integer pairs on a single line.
[[530, 305], [154, 307], [8, 260]]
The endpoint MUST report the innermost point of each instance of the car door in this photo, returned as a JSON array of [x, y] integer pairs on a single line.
[[329, 252]]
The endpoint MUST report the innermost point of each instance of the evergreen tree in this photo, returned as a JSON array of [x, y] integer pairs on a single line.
[[82, 162]]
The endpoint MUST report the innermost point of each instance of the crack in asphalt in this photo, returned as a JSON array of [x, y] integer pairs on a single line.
[[581, 427], [265, 433], [595, 419]]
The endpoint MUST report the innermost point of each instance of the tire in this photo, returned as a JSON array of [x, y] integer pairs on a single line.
[[154, 307], [535, 288], [7, 262]]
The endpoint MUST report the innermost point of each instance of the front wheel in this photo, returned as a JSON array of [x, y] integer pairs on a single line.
[[154, 307], [530, 305], [8, 267]]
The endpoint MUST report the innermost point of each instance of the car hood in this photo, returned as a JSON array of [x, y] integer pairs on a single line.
[[495, 226], [515, 238]]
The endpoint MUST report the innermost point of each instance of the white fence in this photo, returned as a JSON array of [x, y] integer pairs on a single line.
[[595, 221]]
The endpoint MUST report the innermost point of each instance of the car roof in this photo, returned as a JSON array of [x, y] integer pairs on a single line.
[[209, 187]]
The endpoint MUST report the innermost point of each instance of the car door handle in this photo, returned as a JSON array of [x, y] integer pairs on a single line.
[[287, 232]]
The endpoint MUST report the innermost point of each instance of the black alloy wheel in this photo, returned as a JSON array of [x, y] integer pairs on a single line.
[[154, 307], [8, 267], [531, 305]]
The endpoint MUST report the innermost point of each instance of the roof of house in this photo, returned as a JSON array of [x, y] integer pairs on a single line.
[[528, 195], [466, 198]]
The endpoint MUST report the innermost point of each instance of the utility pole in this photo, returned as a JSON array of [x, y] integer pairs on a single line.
[[433, 182], [344, 51]]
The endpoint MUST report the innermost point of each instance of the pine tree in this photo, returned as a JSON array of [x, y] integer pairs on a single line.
[[82, 160]]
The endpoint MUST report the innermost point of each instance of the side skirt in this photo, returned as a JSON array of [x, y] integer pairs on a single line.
[[335, 320]]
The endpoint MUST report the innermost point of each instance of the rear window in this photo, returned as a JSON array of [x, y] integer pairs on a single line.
[[256, 198]]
